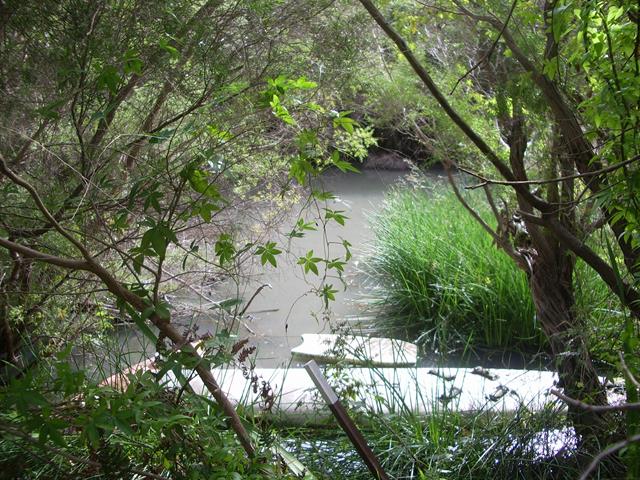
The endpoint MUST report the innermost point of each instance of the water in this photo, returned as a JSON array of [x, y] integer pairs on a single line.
[[288, 307]]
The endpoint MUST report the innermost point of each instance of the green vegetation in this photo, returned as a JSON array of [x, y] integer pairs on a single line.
[[448, 446], [438, 275], [138, 424], [151, 146]]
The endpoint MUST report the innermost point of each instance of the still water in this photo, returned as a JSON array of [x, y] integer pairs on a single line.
[[288, 306]]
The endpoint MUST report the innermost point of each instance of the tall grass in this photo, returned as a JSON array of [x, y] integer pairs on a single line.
[[446, 443], [435, 270]]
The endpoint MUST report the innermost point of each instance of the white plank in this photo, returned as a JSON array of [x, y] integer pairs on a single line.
[[356, 350]]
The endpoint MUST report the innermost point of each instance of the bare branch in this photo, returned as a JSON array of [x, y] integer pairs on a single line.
[[622, 407], [610, 450], [489, 181]]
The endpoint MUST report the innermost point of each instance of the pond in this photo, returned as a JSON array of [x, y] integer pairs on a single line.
[[287, 308]]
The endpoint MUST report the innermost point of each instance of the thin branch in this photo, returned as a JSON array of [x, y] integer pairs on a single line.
[[37, 255], [492, 204], [468, 131], [627, 371], [4, 169], [255, 294], [610, 450], [622, 407], [489, 181], [169, 331], [500, 241], [629, 297]]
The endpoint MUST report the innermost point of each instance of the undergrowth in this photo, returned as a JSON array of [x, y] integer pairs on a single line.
[[436, 275], [448, 445]]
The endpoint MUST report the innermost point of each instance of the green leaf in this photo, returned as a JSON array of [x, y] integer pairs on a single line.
[[50, 110], [281, 111], [132, 63], [162, 310], [328, 294], [344, 122], [215, 132], [224, 248], [323, 195], [300, 168], [121, 221], [342, 165], [91, 433], [138, 262], [156, 239], [109, 79], [173, 52], [337, 264], [303, 84], [301, 227], [307, 138], [268, 253], [309, 262], [230, 303], [153, 200], [161, 136], [346, 245], [199, 181], [335, 215], [140, 321]]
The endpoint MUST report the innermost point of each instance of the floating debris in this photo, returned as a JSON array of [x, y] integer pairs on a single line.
[[483, 372], [452, 395], [500, 392], [441, 375]]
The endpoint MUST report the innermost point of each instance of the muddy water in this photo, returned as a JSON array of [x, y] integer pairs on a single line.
[[280, 313], [289, 307]]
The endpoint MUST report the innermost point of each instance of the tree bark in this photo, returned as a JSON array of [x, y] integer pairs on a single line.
[[552, 292]]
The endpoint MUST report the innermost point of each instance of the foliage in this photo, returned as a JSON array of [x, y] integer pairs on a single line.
[[126, 154], [441, 275], [448, 445], [57, 423]]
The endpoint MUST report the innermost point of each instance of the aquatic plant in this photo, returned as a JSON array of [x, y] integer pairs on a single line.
[[433, 270], [434, 275]]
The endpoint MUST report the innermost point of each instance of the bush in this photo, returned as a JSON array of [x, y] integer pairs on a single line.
[[437, 272]]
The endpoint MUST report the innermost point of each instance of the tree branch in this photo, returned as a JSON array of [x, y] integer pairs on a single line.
[[490, 181], [623, 407], [629, 297], [469, 132]]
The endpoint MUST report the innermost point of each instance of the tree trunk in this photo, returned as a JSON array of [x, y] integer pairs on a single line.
[[551, 282]]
